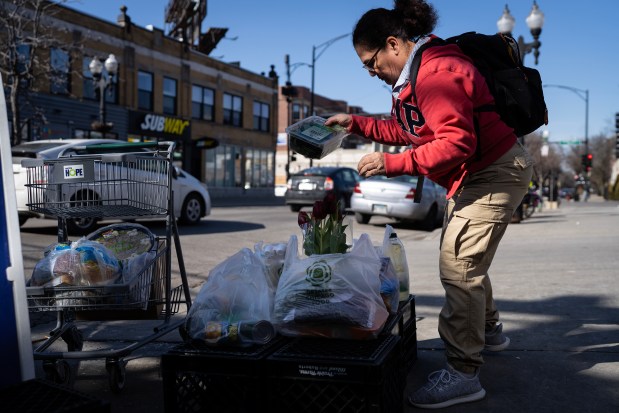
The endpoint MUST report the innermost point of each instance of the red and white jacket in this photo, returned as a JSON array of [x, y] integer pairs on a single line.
[[439, 125]]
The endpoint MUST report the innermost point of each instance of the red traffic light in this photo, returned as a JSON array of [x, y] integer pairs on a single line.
[[589, 156]]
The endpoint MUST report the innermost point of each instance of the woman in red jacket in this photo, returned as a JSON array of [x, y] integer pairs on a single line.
[[482, 189]]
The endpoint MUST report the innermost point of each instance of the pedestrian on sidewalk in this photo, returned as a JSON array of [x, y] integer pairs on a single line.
[[437, 122]]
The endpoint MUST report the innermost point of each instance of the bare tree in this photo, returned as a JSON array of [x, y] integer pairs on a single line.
[[603, 150], [548, 163], [25, 38]]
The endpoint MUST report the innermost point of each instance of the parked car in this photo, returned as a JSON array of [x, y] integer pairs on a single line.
[[191, 197], [313, 184], [393, 198], [567, 193]]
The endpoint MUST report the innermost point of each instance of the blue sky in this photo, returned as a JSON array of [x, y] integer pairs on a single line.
[[267, 30]]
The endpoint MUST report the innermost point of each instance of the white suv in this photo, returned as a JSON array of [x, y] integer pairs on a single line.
[[191, 198]]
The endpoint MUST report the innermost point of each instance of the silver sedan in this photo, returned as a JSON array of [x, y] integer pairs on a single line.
[[393, 198]]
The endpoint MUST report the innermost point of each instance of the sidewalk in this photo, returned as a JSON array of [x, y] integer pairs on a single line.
[[555, 280]]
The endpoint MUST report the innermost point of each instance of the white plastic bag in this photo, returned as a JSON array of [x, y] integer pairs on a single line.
[[331, 295], [272, 256], [81, 263], [237, 290]]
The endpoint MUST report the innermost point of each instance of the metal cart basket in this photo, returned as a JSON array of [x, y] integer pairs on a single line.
[[108, 181]]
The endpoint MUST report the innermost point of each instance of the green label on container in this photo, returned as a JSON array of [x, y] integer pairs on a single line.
[[318, 133]]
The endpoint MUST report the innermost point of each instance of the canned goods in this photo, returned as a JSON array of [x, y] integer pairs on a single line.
[[242, 332]]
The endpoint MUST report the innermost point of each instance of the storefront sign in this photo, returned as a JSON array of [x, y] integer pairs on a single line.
[[207, 143], [160, 126]]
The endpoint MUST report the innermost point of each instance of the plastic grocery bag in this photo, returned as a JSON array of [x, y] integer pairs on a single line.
[[389, 285], [80, 263], [272, 256], [331, 295], [236, 291]]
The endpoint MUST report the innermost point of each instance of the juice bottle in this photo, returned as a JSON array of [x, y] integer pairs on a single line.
[[398, 257]]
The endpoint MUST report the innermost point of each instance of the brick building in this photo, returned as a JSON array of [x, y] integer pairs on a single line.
[[224, 118]]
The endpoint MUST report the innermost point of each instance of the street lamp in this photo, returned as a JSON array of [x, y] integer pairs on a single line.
[[102, 84], [290, 92], [535, 21], [321, 49], [584, 95]]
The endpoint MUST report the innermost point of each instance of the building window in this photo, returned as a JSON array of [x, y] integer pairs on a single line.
[[202, 103], [296, 112], [22, 59], [59, 71], [258, 168], [233, 110], [221, 168], [262, 119], [169, 96], [89, 91], [145, 90]]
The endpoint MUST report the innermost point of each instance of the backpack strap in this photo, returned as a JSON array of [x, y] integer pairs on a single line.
[[412, 78], [414, 70]]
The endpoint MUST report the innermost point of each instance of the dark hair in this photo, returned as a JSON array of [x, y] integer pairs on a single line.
[[409, 19]]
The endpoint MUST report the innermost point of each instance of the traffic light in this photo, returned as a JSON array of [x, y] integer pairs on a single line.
[[289, 91], [587, 162]]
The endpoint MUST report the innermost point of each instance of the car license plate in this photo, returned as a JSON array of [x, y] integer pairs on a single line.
[[306, 186], [379, 209]]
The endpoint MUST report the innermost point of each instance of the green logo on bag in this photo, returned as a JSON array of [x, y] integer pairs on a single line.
[[318, 273]]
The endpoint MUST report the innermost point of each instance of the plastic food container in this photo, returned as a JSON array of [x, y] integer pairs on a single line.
[[312, 139]]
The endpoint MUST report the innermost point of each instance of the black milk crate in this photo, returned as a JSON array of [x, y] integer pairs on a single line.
[[332, 375], [404, 324], [39, 396], [199, 378]]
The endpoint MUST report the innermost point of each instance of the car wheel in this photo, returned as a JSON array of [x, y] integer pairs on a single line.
[[81, 226], [84, 225], [362, 218], [429, 222], [192, 210], [295, 208]]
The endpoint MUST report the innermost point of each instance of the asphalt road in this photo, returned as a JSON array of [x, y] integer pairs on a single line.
[[555, 279]]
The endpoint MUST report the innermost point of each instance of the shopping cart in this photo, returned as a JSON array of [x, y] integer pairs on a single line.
[[108, 181]]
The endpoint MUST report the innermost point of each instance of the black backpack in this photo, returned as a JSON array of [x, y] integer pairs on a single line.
[[517, 89]]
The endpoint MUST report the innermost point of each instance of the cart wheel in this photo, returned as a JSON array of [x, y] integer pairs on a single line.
[[58, 371], [74, 339], [116, 374]]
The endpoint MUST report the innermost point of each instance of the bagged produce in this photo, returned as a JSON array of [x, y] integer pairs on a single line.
[[125, 240], [80, 263], [235, 304], [272, 256], [312, 139], [331, 295], [134, 245]]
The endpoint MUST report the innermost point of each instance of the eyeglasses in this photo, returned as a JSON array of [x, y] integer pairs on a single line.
[[370, 64]]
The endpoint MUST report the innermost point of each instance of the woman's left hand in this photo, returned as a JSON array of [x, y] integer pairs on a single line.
[[372, 164]]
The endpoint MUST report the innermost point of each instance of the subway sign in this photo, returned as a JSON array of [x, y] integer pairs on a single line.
[[159, 126]]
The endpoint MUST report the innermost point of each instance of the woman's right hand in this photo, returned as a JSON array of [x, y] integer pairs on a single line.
[[342, 119]]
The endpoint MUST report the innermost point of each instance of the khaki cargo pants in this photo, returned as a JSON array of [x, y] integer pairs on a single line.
[[475, 221]]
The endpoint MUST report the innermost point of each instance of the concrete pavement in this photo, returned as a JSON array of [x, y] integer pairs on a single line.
[[555, 280]]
